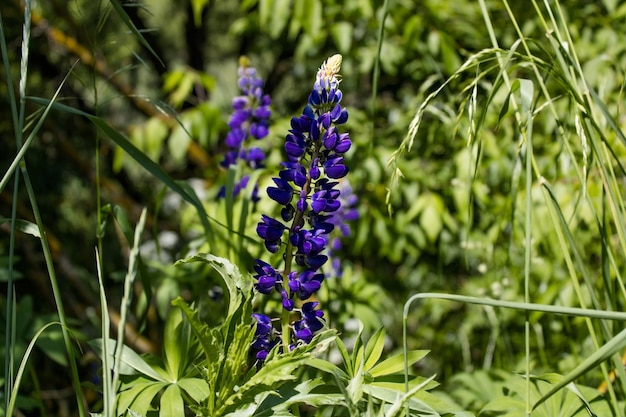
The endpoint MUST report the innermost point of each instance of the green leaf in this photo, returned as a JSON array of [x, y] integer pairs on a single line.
[[131, 361], [392, 397], [395, 364], [236, 283], [176, 343], [328, 367], [142, 402], [135, 394], [281, 13], [172, 403], [23, 226], [196, 388], [345, 356], [374, 349], [208, 339]]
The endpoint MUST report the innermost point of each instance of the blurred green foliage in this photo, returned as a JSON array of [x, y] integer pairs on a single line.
[[453, 223]]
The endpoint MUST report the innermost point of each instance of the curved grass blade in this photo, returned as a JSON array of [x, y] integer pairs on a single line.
[[22, 368], [142, 159]]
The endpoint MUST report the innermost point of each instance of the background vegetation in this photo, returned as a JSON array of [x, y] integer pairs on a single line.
[[488, 161]]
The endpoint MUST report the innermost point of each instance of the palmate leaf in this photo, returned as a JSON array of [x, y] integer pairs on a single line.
[[139, 399], [139, 396], [209, 339], [172, 403]]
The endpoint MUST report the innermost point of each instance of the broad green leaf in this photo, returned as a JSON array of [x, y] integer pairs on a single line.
[[179, 140], [395, 364], [172, 403], [131, 361], [196, 388], [281, 12], [374, 349]]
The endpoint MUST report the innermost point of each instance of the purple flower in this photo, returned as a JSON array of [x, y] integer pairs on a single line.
[[250, 119], [264, 334], [346, 213], [271, 231], [314, 147], [267, 277]]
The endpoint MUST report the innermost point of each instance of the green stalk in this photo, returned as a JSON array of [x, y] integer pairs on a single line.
[[376, 75], [528, 250], [126, 299], [9, 328], [56, 293]]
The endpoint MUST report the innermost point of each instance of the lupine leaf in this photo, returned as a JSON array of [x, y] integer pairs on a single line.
[[131, 361], [128, 396], [172, 403], [374, 348], [176, 341], [392, 396], [196, 388], [347, 362], [395, 364], [328, 367], [143, 402], [206, 337]]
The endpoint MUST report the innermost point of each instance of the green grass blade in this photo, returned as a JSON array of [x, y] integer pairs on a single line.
[[108, 390], [142, 159], [22, 368], [129, 23], [24, 147], [56, 293], [126, 297], [605, 352]]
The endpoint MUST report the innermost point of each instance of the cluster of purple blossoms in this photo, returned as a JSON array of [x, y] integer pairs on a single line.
[[347, 213], [307, 188], [250, 118]]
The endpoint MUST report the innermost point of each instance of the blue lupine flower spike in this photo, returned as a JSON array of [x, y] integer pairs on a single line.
[[308, 192], [250, 119]]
